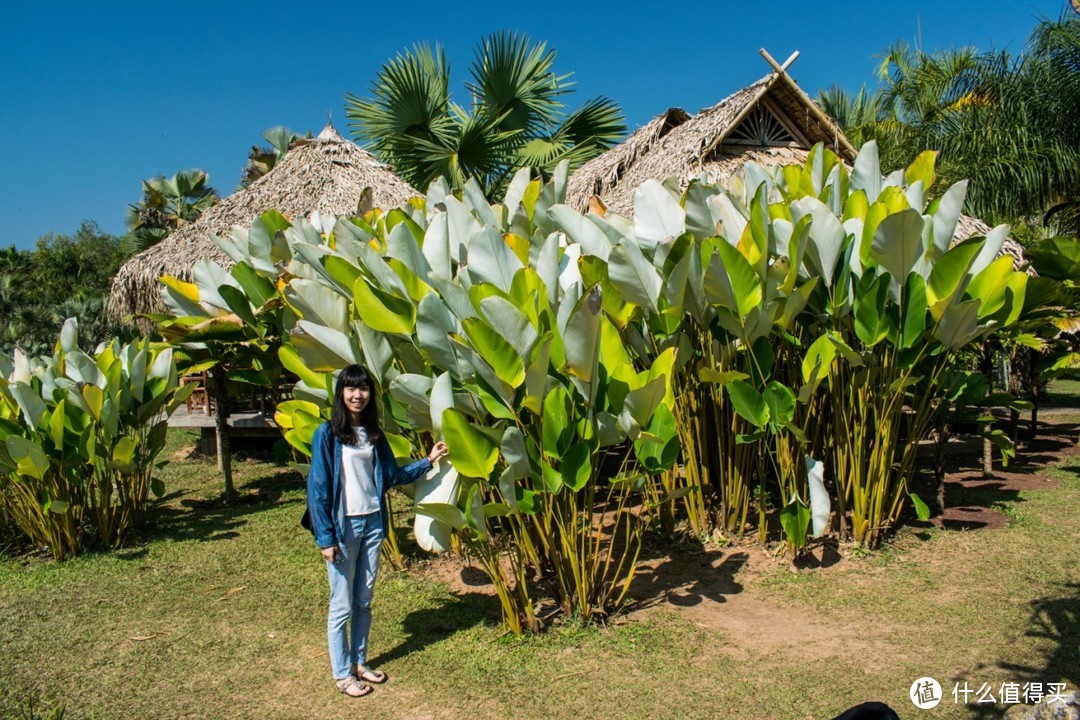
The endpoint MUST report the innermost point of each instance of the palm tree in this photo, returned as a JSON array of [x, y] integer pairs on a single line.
[[862, 116], [166, 204], [1010, 124], [515, 118], [262, 160]]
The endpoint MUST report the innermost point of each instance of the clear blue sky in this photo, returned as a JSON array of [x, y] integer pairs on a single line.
[[95, 97]]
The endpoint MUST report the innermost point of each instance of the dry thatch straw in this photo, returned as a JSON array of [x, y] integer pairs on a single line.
[[688, 147], [327, 174], [718, 141]]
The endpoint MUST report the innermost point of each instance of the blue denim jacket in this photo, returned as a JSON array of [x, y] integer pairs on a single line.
[[324, 487]]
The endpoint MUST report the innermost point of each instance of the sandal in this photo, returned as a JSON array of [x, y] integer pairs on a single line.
[[363, 672], [353, 687]]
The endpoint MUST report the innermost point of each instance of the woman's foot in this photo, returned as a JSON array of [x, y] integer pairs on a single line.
[[353, 687], [363, 672]]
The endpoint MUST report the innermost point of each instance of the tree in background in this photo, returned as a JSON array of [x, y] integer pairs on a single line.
[[64, 276], [1011, 124], [516, 117], [166, 204], [263, 159]]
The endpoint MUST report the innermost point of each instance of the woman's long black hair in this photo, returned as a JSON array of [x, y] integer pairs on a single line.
[[354, 376]]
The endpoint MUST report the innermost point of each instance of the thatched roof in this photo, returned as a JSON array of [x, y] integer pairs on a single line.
[[326, 174], [721, 139], [715, 142]]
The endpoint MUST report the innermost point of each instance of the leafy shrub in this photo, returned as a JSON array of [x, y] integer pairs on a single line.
[[79, 435]]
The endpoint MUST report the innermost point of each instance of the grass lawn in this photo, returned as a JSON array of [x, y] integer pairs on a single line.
[[219, 612]]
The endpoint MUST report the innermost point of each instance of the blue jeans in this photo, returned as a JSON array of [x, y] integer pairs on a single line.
[[352, 581]]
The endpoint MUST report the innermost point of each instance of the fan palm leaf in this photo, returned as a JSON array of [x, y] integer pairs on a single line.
[[516, 116]]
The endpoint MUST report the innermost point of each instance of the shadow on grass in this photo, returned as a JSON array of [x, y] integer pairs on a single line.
[[1055, 620], [213, 519], [431, 625]]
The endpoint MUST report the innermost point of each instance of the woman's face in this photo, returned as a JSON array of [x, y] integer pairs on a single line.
[[356, 399]]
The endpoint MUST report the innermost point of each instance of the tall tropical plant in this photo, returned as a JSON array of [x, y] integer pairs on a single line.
[[166, 204], [823, 306], [229, 325], [515, 116], [79, 439], [483, 329]]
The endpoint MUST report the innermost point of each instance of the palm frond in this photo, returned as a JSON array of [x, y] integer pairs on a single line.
[[513, 79]]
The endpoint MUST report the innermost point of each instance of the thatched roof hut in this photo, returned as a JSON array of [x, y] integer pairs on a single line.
[[327, 174], [771, 122]]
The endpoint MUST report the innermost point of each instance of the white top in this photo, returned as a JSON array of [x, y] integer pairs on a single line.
[[358, 470]]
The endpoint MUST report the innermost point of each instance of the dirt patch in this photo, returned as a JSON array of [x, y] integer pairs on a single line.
[[460, 575], [185, 453], [1001, 480], [971, 518]]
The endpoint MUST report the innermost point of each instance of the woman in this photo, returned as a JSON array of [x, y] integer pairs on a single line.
[[352, 467]]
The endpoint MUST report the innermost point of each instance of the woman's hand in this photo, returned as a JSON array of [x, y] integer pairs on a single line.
[[437, 451], [329, 553]]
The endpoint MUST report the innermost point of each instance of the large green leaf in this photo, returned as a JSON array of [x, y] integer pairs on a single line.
[[31, 459], [323, 349], [583, 231], [497, 352], [536, 375], [745, 282], [780, 400], [866, 173], [989, 286], [556, 431], [581, 339], [1057, 258], [30, 402], [898, 243], [642, 402], [383, 311], [123, 454], [658, 218], [318, 303], [871, 300], [913, 320], [442, 397], [795, 519], [491, 260], [634, 276], [820, 355], [258, 289], [922, 169], [577, 466], [947, 211], [513, 450], [826, 240], [510, 323], [472, 452], [81, 368], [434, 324], [294, 364], [949, 274], [959, 325], [659, 454], [748, 402], [238, 302], [69, 335]]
